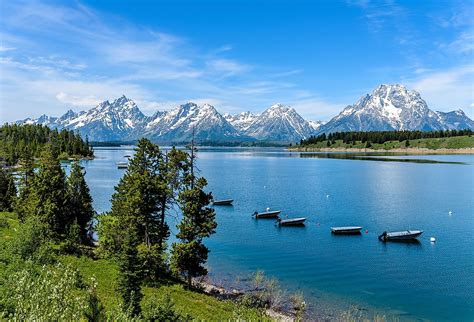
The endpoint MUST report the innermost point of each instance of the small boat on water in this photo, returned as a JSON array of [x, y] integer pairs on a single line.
[[267, 214], [291, 222], [122, 165], [348, 230], [400, 235], [223, 202]]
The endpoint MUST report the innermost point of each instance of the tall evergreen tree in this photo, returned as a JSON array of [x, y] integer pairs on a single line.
[[7, 190], [140, 200], [130, 277], [198, 222], [47, 197], [80, 202]]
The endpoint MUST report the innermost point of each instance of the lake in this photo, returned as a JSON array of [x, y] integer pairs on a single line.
[[422, 280]]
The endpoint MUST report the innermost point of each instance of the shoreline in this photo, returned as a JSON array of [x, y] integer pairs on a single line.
[[233, 294], [408, 151]]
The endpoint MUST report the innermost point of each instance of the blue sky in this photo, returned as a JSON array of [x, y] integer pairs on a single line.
[[317, 56]]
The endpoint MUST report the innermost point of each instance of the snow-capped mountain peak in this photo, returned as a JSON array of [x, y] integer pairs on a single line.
[[279, 123], [241, 121], [388, 107]]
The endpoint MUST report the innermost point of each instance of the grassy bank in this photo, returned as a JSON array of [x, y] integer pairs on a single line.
[[458, 143], [199, 305]]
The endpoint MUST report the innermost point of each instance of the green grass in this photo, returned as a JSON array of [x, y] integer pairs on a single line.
[[8, 225], [201, 306], [456, 142]]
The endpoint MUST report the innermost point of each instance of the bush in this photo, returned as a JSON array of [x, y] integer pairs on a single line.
[[63, 156], [31, 242], [162, 309], [264, 293], [4, 223], [154, 262], [252, 301], [45, 294]]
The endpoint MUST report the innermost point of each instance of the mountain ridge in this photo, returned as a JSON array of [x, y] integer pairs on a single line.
[[388, 107]]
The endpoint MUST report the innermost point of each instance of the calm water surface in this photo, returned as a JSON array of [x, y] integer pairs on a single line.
[[409, 281]]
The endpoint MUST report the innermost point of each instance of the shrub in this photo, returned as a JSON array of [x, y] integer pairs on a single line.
[[4, 223], [45, 294], [31, 242], [162, 309]]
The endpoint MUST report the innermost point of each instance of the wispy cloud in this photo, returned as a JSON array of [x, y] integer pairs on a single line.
[[227, 67], [446, 89]]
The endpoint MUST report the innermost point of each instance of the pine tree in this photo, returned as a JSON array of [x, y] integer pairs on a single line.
[[47, 196], [7, 190], [130, 277], [198, 222], [141, 199], [80, 202]]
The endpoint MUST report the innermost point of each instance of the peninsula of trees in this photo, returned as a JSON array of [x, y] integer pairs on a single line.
[[390, 140], [27, 142]]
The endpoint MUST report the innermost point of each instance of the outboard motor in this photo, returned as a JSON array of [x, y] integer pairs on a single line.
[[383, 237]]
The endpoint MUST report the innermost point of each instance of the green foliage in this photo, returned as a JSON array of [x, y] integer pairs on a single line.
[[45, 294], [7, 190], [18, 140], [130, 277], [381, 137], [189, 255], [153, 261], [95, 310], [108, 228], [162, 309], [299, 305], [72, 240], [80, 203], [47, 196], [31, 242], [137, 202]]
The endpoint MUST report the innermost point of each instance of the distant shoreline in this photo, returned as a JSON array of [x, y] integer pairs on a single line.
[[417, 151]]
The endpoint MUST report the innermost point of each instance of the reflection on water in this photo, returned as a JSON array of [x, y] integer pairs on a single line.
[[388, 157]]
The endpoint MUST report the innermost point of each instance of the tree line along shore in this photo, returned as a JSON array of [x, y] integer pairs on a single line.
[[416, 142]]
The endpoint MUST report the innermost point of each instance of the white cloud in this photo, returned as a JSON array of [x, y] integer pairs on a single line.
[[3, 48], [82, 101], [227, 67], [446, 90]]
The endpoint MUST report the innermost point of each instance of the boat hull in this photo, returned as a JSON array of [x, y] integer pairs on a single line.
[[227, 202], [401, 235], [346, 230], [292, 222], [267, 215]]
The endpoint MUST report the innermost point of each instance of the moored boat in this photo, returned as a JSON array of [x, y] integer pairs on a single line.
[[347, 230], [400, 235], [291, 222], [267, 214], [122, 165], [223, 202]]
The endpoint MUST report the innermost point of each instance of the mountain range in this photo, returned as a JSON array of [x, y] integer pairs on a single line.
[[388, 107]]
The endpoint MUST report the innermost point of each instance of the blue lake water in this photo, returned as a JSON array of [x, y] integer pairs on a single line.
[[432, 281]]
